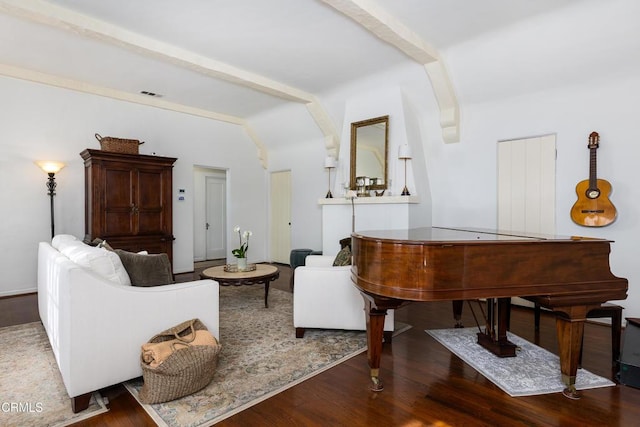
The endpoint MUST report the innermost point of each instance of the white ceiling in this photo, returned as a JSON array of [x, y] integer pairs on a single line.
[[177, 48]]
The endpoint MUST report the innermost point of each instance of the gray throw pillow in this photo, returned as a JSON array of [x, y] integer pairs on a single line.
[[343, 257], [146, 270]]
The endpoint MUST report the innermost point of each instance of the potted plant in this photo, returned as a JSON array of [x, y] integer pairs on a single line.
[[241, 252]]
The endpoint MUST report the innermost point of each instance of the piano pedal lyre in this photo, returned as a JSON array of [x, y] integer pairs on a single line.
[[496, 320]]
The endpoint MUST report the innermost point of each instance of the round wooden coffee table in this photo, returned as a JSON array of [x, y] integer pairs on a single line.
[[263, 274]]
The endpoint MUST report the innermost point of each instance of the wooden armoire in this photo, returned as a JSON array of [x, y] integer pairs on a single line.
[[128, 200]]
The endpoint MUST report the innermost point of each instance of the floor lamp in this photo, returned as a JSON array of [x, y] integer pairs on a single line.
[[404, 153], [329, 163], [51, 168]]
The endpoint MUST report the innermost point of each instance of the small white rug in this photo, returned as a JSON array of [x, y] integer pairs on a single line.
[[533, 371]]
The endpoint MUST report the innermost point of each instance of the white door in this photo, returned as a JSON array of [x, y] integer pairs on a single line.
[[527, 187], [280, 228], [209, 213], [215, 226]]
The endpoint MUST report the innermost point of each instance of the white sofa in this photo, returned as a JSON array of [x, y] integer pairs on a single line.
[[324, 297], [96, 322]]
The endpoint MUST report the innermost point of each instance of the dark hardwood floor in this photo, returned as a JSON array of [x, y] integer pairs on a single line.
[[424, 383]]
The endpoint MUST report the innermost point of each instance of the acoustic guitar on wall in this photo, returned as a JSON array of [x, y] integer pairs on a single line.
[[593, 207]]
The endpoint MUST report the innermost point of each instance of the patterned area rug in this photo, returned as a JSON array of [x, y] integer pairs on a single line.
[[260, 357], [31, 388], [534, 370]]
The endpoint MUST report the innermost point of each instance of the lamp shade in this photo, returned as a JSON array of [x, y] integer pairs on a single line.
[[330, 162], [50, 166], [404, 151]]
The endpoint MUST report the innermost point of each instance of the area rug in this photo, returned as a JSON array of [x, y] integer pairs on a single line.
[[533, 371], [31, 388], [260, 357]]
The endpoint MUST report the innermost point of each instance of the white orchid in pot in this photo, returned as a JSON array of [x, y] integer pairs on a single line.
[[241, 252]]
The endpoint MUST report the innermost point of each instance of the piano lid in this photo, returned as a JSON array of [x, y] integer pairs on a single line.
[[459, 234]]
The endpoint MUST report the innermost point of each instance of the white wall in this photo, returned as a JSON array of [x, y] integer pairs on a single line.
[[567, 75], [383, 101], [464, 175], [41, 122], [309, 183], [296, 144]]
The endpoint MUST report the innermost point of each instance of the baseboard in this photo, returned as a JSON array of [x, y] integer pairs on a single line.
[[14, 293]]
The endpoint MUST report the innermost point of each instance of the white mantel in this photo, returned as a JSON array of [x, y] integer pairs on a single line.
[[371, 213], [370, 200]]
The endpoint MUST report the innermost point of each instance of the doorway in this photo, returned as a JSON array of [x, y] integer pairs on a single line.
[[280, 227], [210, 214], [527, 185]]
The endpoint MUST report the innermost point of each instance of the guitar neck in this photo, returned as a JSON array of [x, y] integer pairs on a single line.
[[593, 176]]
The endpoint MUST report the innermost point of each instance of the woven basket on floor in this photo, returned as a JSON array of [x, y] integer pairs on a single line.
[[118, 145], [185, 371]]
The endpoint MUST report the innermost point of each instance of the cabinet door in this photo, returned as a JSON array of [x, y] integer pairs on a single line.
[[151, 204], [119, 201], [135, 201]]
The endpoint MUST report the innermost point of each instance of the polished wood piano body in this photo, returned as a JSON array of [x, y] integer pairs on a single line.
[[570, 274]]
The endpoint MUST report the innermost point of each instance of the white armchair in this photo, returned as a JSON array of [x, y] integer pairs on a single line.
[[325, 298]]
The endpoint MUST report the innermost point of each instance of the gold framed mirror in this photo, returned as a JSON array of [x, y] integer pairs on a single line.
[[369, 152]]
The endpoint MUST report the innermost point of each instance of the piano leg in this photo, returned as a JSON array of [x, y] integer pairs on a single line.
[[375, 332], [376, 311], [570, 333]]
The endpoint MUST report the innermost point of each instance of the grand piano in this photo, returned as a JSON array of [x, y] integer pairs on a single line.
[[571, 275]]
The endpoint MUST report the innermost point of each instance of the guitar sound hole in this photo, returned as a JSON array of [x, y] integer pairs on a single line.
[[593, 194]]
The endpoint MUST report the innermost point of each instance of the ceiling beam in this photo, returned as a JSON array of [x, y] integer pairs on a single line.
[[332, 143], [386, 27], [83, 25]]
